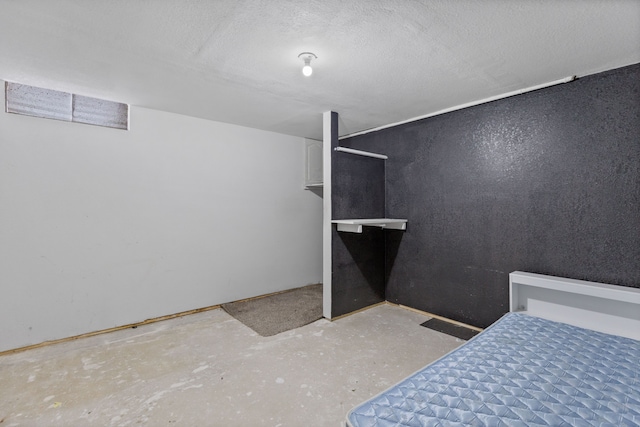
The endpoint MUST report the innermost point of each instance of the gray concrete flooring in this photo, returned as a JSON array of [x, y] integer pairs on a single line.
[[208, 369]]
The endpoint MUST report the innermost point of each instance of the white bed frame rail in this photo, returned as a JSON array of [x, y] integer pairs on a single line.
[[598, 306]]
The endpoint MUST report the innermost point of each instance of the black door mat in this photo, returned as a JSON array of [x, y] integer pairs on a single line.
[[450, 329]]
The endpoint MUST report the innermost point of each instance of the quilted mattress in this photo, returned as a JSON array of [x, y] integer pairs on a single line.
[[521, 371]]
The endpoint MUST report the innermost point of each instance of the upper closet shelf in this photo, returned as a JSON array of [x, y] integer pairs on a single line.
[[355, 225]]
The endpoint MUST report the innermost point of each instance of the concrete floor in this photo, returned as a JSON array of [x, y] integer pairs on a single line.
[[209, 369]]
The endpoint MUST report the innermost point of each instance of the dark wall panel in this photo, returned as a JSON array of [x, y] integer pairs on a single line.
[[357, 186], [358, 278], [546, 182]]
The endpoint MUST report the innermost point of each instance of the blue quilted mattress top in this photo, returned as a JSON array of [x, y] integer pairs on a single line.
[[521, 371]]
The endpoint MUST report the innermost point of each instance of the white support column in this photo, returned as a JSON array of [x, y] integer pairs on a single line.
[[327, 143]]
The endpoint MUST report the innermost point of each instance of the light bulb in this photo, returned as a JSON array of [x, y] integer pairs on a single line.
[[307, 70], [307, 57]]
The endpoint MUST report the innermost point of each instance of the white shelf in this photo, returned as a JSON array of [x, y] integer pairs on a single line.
[[355, 225], [314, 185]]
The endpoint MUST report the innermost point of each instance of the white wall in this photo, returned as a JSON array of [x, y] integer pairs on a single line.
[[102, 227]]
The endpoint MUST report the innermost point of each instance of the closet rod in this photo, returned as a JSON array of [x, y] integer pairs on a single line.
[[361, 153]]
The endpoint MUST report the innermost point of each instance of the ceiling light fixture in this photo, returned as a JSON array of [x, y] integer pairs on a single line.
[[307, 57]]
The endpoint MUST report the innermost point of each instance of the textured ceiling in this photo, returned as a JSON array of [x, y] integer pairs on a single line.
[[379, 62]]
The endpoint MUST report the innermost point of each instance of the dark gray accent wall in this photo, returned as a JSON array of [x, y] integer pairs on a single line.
[[358, 278], [358, 260], [545, 182]]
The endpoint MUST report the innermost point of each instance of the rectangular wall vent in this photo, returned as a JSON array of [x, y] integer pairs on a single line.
[[69, 107]]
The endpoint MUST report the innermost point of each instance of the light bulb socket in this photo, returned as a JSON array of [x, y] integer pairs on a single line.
[[307, 57]]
